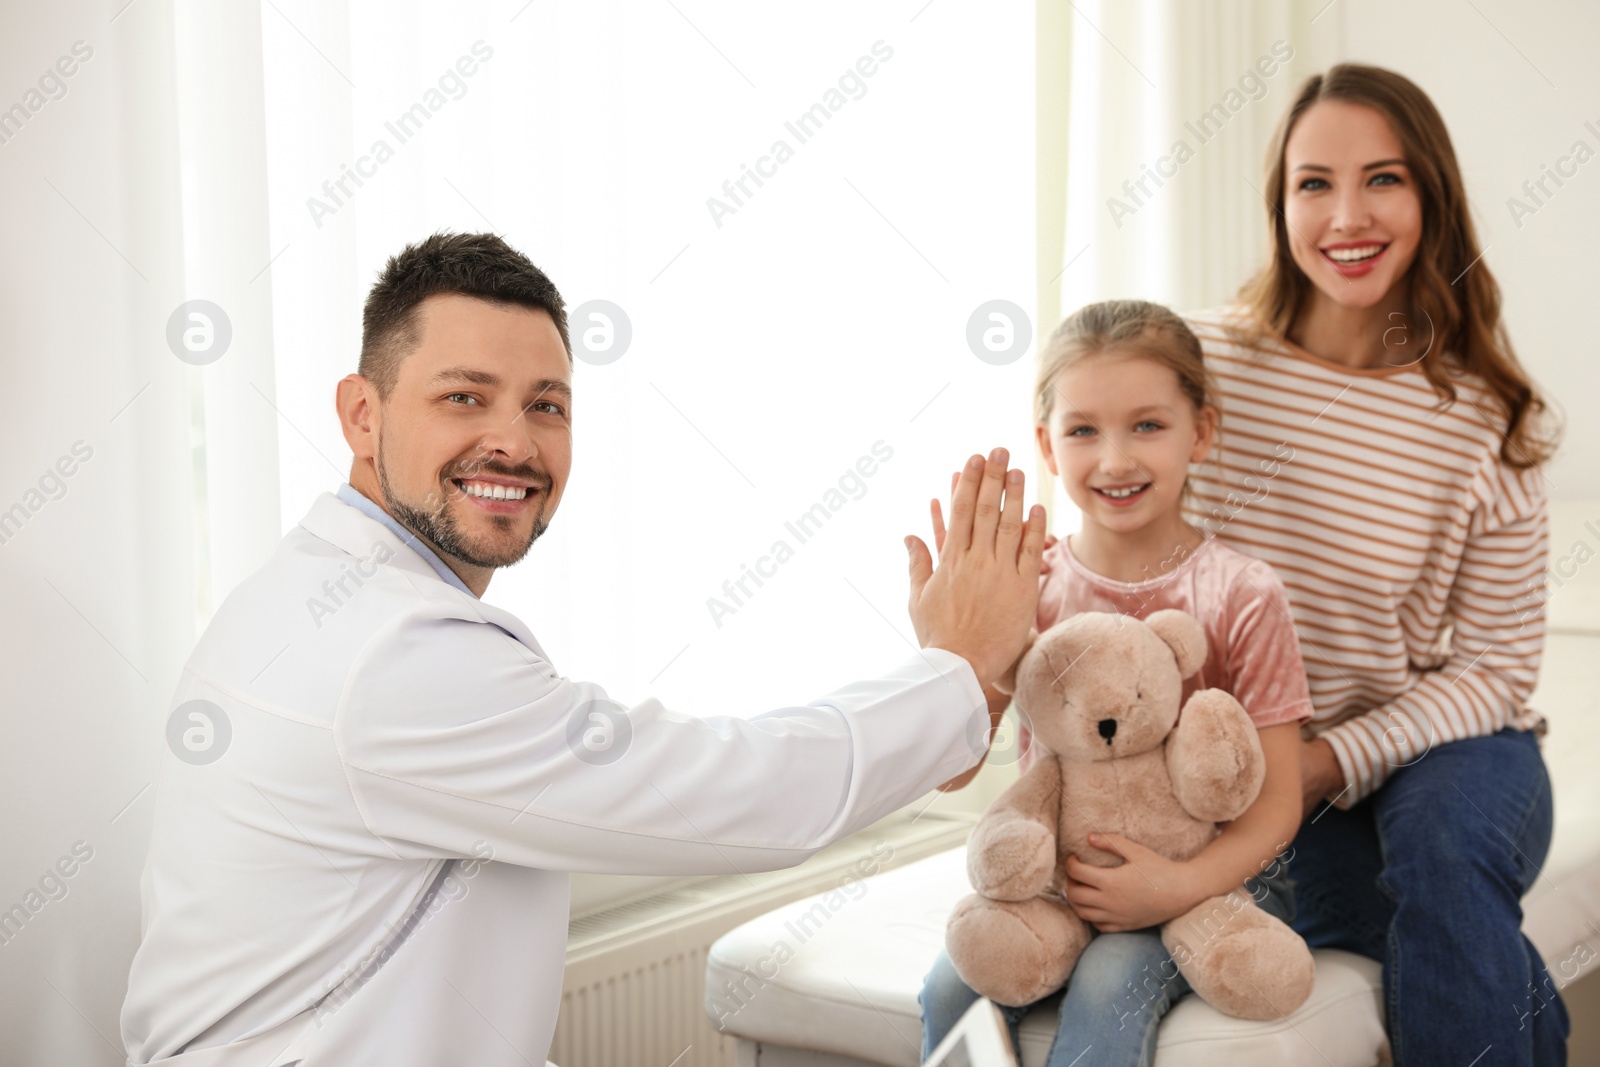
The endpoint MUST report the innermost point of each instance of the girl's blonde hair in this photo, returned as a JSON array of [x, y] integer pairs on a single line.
[[1134, 326]]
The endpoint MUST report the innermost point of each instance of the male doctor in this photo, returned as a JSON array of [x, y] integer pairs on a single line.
[[377, 783]]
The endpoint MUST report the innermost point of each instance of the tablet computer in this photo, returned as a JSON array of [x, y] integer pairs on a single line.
[[979, 1039]]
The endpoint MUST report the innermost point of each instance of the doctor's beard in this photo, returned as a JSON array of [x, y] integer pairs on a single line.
[[439, 527]]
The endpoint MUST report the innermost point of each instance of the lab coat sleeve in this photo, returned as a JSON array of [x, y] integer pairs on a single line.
[[455, 736]]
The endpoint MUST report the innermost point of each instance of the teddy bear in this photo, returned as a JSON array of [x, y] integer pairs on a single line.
[[1101, 693]]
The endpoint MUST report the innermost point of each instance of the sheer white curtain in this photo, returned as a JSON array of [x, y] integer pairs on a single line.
[[778, 335], [1172, 106], [137, 479]]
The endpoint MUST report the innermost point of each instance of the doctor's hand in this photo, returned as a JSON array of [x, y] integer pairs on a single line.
[[982, 598]]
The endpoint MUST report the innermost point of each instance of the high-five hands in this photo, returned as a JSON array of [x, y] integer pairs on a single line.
[[938, 527], [982, 598]]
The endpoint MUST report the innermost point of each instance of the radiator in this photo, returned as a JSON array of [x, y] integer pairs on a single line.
[[634, 993]]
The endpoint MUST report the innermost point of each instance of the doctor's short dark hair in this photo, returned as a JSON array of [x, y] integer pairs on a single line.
[[473, 264]]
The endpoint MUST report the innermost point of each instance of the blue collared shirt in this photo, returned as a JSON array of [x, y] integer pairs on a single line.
[[356, 499]]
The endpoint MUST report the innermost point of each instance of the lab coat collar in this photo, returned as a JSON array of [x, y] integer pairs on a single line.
[[345, 527], [359, 500]]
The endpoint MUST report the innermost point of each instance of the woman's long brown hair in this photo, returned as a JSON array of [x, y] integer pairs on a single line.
[[1449, 284]]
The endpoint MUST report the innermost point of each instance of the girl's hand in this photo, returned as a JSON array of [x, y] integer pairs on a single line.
[[1146, 890], [938, 528], [1320, 776]]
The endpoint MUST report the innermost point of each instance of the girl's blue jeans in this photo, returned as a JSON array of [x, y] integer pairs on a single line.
[[1427, 875], [1120, 988]]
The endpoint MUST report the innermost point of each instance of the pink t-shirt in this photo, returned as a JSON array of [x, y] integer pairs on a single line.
[[1252, 650]]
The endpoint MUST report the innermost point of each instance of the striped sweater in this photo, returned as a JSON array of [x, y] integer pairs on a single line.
[[1413, 557]]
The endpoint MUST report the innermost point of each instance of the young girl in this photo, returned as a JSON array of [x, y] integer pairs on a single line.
[[1123, 406], [1411, 530]]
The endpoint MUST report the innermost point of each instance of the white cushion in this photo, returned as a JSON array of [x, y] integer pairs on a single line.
[[855, 967], [851, 986], [1561, 913]]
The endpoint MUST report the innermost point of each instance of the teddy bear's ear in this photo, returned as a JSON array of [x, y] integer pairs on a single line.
[[1183, 634], [1007, 682]]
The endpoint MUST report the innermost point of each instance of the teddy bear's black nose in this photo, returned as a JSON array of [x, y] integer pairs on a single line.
[[1108, 729]]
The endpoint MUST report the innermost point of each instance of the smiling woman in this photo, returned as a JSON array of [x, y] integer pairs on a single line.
[[1409, 523], [1369, 196], [1364, 220]]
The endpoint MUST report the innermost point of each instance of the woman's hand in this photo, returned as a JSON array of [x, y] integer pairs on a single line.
[[1146, 890], [1320, 776]]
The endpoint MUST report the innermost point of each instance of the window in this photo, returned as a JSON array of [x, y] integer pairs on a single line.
[[798, 212]]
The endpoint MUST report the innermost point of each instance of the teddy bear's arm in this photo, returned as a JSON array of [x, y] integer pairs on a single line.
[[1214, 757], [1012, 851]]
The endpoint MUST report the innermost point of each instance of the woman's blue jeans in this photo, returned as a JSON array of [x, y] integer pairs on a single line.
[[1426, 875], [1116, 996]]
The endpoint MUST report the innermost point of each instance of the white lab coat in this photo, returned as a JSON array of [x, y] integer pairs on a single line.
[[375, 869]]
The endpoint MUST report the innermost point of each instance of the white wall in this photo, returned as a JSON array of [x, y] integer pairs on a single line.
[[1516, 81]]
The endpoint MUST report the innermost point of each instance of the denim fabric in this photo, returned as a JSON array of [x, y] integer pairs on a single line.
[[1120, 988], [1426, 875]]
